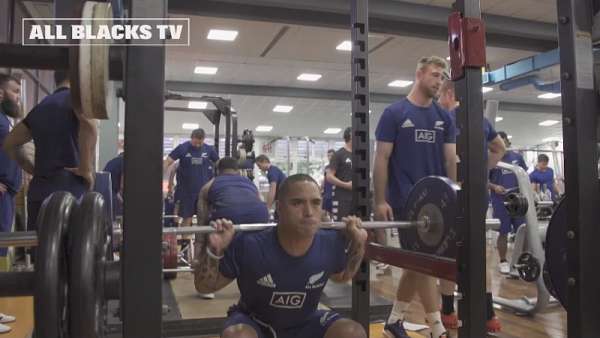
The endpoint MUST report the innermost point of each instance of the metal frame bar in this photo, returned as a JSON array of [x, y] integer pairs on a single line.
[[360, 148], [142, 251], [580, 112], [472, 172]]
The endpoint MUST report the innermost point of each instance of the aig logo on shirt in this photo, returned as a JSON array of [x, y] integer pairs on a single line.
[[288, 300], [424, 136]]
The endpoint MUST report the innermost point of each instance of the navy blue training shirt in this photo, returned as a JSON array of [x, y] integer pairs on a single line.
[[504, 177], [418, 135], [279, 289], [115, 168], [10, 172], [55, 131], [545, 179], [235, 197], [195, 166]]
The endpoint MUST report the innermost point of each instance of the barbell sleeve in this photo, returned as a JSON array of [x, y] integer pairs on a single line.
[[22, 239]]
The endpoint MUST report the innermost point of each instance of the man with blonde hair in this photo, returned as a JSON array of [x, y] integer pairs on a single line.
[[416, 138], [494, 149]]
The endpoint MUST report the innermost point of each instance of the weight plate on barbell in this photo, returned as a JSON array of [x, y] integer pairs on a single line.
[[170, 254], [528, 267], [434, 199], [556, 252], [51, 306], [89, 250]]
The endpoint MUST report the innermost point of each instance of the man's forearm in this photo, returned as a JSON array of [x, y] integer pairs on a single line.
[[493, 159], [451, 169], [380, 177], [25, 158], [207, 278], [339, 183], [355, 254], [88, 135]]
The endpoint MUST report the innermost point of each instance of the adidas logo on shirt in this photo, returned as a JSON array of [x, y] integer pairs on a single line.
[[266, 281], [439, 125], [408, 124]]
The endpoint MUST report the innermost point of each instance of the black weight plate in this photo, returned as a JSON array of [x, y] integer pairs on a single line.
[[556, 252], [51, 273], [436, 198], [528, 267], [547, 281], [89, 247]]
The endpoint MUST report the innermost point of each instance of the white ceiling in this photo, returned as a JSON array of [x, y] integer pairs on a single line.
[[312, 50]]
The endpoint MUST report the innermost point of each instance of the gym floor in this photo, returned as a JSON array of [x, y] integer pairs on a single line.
[[549, 323]]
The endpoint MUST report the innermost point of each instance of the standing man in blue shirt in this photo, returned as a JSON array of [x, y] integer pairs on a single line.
[[10, 172], [196, 167], [415, 138], [502, 180], [493, 149], [275, 177], [65, 146], [115, 168], [281, 272], [542, 178]]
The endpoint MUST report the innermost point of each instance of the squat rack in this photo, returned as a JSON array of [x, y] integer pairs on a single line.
[[144, 91]]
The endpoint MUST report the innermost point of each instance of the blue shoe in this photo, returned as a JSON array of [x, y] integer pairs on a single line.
[[395, 330]]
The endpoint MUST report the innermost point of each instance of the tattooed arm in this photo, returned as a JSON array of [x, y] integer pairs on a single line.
[[358, 239], [207, 277]]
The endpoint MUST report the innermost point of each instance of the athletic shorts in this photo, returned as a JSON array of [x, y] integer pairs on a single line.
[[507, 223], [187, 204], [7, 213], [316, 325]]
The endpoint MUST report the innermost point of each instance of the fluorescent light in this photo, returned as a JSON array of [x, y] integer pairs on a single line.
[[332, 130], [509, 136], [548, 96], [345, 46], [499, 118], [548, 123], [400, 83], [264, 128], [197, 105], [222, 35], [283, 109], [486, 89], [205, 70], [190, 126], [309, 77], [552, 139]]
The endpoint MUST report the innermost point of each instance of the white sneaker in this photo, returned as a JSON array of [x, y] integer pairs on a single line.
[[4, 328], [504, 268], [6, 318], [207, 295], [382, 266]]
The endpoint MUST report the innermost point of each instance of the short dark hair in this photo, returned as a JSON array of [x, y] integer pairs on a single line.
[[288, 182], [331, 151], [503, 135], [262, 158], [348, 134], [227, 163], [198, 133], [543, 158], [6, 78], [60, 76]]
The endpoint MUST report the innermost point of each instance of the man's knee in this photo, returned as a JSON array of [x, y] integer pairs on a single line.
[[346, 328], [239, 331]]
